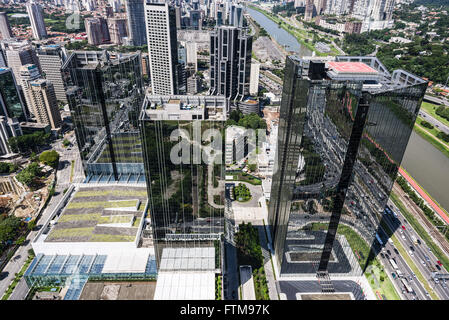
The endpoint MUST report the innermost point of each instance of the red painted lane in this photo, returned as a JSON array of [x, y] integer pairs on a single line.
[[424, 195]]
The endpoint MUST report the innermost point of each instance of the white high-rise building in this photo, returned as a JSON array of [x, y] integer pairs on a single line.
[[160, 23], [36, 16], [254, 79], [5, 28], [191, 50], [19, 54], [44, 105], [28, 73]]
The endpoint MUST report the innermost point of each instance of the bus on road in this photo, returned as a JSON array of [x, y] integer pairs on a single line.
[[406, 285], [393, 264]]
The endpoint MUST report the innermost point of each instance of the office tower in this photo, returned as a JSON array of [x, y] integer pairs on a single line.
[[187, 209], [117, 30], [343, 129], [192, 54], [337, 7], [5, 28], [36, 16], [28, 73], [105, 95], [97, 31], [11, 102], [230, 62], [310, 11], [136, 22], [51, 58], [44, 105], [254, 79], [162, 48], [19, 54]]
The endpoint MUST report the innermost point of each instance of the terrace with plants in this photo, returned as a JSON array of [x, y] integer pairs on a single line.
[[100, 214]]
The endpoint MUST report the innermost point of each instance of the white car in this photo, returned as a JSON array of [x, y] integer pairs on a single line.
[[411, 253], [403, 237]]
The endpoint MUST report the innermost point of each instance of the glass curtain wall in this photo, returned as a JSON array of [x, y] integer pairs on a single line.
[[186, 198]]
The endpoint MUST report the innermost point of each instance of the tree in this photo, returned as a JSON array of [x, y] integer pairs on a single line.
[[28, 142], [9, 228], [252, 167], [50, 158], [6, 167], [65, 142], [28, 175]]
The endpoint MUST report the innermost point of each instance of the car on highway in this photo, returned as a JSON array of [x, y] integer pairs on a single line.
[[403, 227], [403, 237], [382, 255], [393, 275], [396, 251], [427, 258], [414, 275], [419, 241], [411, 248], [388, 251], [438, 267], [422, 262], [439, 263], [411, 253]]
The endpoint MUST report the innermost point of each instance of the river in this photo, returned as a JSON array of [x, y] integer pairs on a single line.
[[429, 167], [280, 35], [424, 162]]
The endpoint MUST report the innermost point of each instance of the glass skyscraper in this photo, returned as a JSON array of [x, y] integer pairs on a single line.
[[180, 134], [343, 130], [105, 94], [10, 101]]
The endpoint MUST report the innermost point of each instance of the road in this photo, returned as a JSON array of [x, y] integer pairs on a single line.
[[63, 181], [436, 123], [436, 100], [421, 255]]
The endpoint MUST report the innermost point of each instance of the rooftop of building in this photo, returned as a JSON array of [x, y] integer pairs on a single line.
[[99, 214], [367, 69], [184, 107]]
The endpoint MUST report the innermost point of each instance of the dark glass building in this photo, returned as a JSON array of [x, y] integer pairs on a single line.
[[185, 179], [11, 104], [344, 127], [105, 94]]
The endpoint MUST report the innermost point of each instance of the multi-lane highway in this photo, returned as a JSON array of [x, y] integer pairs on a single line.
[[420, 253]]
